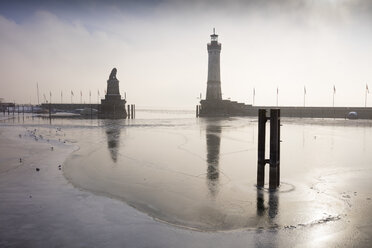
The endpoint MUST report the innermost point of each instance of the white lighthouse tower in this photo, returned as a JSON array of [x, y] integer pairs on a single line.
[[214, 79]]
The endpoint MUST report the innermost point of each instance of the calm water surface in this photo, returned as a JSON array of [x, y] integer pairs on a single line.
[[201, 173]]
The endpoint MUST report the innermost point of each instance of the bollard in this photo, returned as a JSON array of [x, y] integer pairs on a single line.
[[131, 111], [278, 162], [274, 134], [274, 161], [261, 147]]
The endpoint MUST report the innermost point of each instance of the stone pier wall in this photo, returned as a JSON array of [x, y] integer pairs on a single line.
[[230, 108]]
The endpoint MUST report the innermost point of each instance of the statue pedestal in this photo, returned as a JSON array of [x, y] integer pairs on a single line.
[[113, 107]]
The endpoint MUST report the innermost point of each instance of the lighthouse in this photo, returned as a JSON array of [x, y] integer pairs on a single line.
[[214, 79], [213, 105]]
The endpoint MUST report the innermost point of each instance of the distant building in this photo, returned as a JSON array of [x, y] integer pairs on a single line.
[[5, 105]]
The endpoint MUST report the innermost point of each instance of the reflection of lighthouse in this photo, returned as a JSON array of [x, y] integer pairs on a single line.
[[213, 132], [214, 80]]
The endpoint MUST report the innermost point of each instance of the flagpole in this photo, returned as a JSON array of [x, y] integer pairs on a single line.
[[367, 91], [254, 94], [277, 95], [37, 87], [333, 101], [365, 99]]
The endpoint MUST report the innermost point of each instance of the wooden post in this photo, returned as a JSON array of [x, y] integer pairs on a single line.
[[278, 164], [274, 149], [197, 110], [50, 111], [132, 110], [274, 161], [128, 114], [261, 147]]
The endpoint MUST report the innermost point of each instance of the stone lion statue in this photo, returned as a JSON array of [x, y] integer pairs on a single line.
[[113, 74]]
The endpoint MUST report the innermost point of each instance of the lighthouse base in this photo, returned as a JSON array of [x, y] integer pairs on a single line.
[[223, 108]]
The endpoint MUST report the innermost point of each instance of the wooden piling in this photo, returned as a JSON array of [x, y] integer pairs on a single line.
[[197, 110], [261, 148], [274, 161], [274, 149], [278, 164], [128, 114], [50, 111], [132, 111]]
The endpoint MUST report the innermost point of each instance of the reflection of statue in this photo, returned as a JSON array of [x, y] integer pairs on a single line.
[[113, 138], [213, 132], [113, 74]]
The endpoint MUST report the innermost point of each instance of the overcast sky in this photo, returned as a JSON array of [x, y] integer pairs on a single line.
[[159, 49]]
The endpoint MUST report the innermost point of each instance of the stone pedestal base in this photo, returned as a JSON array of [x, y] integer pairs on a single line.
[[113, 107]]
